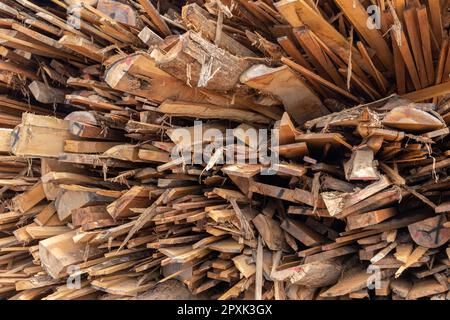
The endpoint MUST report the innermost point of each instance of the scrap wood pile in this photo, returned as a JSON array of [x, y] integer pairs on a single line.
[[94, 206]]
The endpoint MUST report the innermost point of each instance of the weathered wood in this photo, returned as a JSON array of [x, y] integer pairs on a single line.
[[426, 287], [358, 16], [202, 22], [59, 252], [270, 231], [88, 146], [369, 218], [32, 136], [29, 199], [198, 63], [84, 130], [155, 17], [361, 166], [354, 280], [46, 94], [139, 75], [136, 197], [209, 111], [302, 233], [333, 253], [293, 150], [68, 200], [89, 181], [299, 13], [411, 119], [312, 275], [430, 233], [5, 140], [298, 99], [227, 246], [82, 216], [149, 37]]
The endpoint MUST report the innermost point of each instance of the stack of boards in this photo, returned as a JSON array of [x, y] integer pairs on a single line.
[[352, 203]]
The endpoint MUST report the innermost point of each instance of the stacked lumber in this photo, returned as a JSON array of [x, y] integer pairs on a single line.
[[100, 201]]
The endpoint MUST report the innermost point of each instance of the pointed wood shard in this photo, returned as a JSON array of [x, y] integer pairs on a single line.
[[411, 119]]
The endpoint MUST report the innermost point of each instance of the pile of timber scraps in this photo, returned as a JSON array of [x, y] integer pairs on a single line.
[[94, 207], [124, 217]]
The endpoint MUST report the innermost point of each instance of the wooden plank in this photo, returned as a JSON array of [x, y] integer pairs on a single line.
[[357, 221], [5, 140], [27, 200], [333, 253], [358, 16], [136, 197], [59, 252], [88, 146], [416, 45], [155, 17], [402, 46], [32, 136], [428, 93], [303, 233], [353, 280], [436, 20], [208, 111], [425, 36], [312, 76], [298, 13]]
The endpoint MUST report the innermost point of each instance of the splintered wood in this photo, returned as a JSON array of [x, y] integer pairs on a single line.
[[289, 149]]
